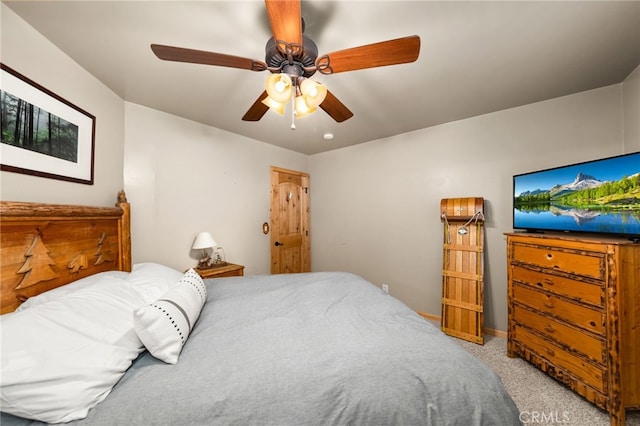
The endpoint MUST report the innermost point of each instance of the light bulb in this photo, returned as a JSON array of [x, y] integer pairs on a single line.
[[313, 92], [279, 87]]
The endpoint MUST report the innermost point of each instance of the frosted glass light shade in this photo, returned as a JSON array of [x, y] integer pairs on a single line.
[[279, 87], [276, 106], [313, 92], [302, 108], [204, 240]]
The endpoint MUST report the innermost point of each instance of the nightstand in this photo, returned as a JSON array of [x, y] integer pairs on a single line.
[[228, 270]]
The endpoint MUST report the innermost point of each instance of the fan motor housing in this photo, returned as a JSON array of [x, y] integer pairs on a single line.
[[307, 59]]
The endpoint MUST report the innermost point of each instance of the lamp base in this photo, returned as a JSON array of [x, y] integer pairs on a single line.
[[205, 262], [218, 264], [208, 266]]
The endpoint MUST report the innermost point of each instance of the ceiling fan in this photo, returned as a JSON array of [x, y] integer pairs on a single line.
[[292, 58]]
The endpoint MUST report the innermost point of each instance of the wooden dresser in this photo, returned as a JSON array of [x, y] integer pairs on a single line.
[[574, 313]]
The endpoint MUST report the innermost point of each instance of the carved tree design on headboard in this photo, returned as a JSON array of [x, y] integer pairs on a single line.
[[104, 253], [77, 262], [36, 265]]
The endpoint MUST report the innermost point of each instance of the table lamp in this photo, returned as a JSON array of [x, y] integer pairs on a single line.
[[204, 241]]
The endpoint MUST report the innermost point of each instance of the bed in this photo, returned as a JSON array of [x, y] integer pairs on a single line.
[[88, 338]]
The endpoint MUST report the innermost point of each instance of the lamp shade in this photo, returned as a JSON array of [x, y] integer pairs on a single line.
[[276, 106], [302, 108], [204, 240], [313, 93], [279, 87]]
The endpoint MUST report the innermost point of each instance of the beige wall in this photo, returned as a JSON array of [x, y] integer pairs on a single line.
[[29, 53], [631, 104], [375, 206], [183, 177]]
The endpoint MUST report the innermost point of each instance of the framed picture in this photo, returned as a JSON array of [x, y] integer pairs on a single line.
[[43, 134]]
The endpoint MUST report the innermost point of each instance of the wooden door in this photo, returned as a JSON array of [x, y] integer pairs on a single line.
[[290, 239]]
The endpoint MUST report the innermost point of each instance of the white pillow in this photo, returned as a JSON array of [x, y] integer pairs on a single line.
[[165, 325], [59, 292], [59, 359], [153, 279]]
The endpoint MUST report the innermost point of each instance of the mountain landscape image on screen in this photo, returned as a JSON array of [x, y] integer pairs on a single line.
[[587, 203]]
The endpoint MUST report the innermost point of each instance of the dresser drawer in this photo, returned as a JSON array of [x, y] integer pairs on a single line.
[[566, 336], [579, 290], [572, 305], [592, 375], [587, 264], [581, 316]]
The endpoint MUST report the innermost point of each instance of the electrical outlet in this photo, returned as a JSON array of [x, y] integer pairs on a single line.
[[385, 288]]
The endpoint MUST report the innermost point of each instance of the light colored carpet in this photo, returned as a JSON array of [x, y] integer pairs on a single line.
[[540, 399]]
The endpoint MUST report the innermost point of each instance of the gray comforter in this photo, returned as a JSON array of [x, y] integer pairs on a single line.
[[308, 349]]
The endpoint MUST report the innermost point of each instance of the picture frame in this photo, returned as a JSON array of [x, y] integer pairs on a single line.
[[43, 134]]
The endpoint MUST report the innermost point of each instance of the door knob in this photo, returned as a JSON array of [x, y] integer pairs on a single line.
[[278, 243]]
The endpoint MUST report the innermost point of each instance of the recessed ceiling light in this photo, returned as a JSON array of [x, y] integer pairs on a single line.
[[327, 136]]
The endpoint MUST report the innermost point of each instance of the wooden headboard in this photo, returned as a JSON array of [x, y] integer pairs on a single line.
[[43, 246]]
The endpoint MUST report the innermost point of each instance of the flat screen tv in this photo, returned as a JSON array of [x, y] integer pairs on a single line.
[[600, 196]]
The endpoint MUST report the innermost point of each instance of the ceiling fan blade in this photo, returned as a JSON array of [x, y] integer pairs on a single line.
[[390, 52], [336, 109], [257, 110], [180, 54], [285, 17]]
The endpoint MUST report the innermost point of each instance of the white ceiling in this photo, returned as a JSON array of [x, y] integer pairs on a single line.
[[476, 57]]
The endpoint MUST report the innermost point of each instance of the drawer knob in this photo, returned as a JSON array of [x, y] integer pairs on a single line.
[[547, 281], [549, 328], [548, 303], [550, 352]]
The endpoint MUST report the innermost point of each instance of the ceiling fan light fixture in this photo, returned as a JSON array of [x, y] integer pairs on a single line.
[[279, 87], [274, 105], [313, 92], [302, 108], [291, 57]]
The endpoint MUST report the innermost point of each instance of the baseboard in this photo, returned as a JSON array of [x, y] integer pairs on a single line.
[[429, 316], [489, 331]]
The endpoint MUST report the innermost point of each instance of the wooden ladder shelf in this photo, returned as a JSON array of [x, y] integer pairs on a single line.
[[463, 268]]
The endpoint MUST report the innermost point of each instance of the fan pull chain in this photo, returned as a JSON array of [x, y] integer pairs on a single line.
[[293, 109]]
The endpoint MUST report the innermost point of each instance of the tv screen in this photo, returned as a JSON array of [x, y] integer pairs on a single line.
[[601, 196]]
